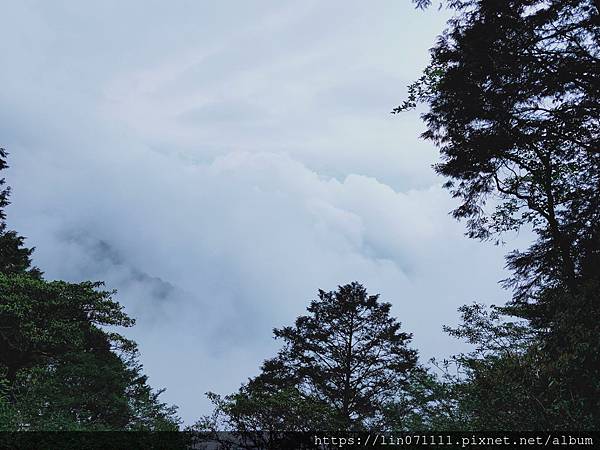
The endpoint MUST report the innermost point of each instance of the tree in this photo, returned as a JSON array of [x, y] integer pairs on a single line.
[[258, 416], [497, 385], [62, 369], [513, 100], [14, 257], [512, 380], [59, 367], [513, 104], [344, 361]]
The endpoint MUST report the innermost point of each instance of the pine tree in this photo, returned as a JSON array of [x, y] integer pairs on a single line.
[[60, 369], [348, 358], [14, 257]]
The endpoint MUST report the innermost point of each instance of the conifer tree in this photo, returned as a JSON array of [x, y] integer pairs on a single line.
[[60, 369], [346, 361]]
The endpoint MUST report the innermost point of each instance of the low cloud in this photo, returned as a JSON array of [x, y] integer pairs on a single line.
[[218, 172]]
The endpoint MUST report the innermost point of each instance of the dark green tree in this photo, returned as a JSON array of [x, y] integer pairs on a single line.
[[14, 257], [61, 369], [59, 366], [513, 100], [512, 380], [513, 103], [344, 361], [498, 385]]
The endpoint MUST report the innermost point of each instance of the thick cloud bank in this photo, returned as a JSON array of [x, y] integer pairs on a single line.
[[219, 164]]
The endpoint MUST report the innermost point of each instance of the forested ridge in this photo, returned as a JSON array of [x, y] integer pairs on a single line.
[[511, 98], [60, 368]]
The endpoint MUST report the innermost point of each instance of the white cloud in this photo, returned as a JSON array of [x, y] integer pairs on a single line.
[[220, 163]]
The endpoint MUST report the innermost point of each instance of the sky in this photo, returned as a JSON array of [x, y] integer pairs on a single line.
[[219, 162]]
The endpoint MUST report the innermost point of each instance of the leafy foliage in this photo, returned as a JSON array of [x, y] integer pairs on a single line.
[[59, 367], [513, 104], [339, 368], [14, 257]]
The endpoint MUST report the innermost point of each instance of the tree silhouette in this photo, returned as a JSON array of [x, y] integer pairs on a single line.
[[60, 369], [14, 257], [513, 91], [513, 96], [347, 357]]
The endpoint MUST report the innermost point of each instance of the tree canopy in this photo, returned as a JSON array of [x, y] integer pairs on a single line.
[[513, 105], [60, 369], [512, 102], [346, 361]]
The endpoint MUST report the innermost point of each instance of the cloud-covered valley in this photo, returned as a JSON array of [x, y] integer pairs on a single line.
[[219, 164]]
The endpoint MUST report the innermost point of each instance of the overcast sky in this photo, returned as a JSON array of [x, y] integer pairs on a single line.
[[218, 162]]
